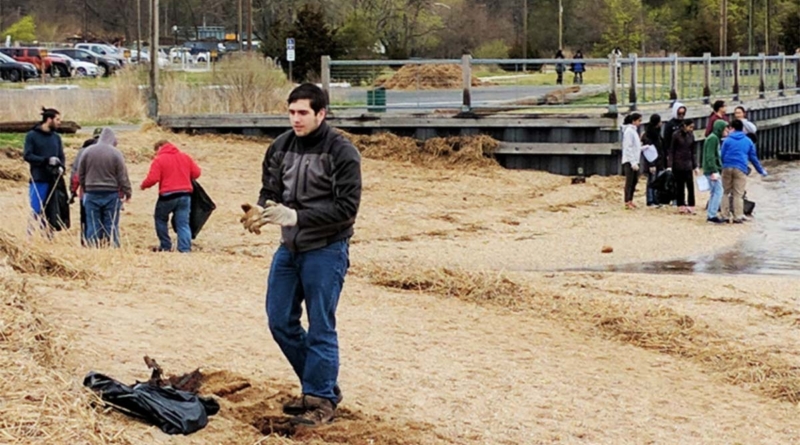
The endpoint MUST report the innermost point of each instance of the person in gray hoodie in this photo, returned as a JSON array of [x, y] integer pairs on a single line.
[[103, 177]]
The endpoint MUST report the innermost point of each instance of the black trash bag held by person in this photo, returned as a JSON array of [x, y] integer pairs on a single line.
[[172, 410], [664, 184], [202, 207]]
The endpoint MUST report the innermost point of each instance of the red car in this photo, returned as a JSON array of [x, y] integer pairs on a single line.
[[56, 67]]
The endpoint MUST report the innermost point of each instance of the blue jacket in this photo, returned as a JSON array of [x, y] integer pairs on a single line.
[[40, 146], [737, 150]]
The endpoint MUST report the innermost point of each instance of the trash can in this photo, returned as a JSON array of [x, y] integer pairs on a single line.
[[376, 100]]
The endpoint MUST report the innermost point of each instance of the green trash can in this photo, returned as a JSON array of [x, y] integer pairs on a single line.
[[376, 100]]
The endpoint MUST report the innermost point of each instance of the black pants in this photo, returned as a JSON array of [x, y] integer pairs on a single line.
[[631, 178], [559, 78], [684, 179]]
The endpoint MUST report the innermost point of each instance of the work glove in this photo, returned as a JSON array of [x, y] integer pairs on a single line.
[[272, 213], [53, 160], [60, 171]]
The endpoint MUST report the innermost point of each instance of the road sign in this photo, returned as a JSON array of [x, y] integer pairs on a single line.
[[290, 55], [290, 43]]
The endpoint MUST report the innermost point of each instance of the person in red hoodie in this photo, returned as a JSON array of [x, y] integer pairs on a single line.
[[173, 171]]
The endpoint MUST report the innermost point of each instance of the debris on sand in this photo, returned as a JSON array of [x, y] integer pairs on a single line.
[[428, 77], [468, 151]]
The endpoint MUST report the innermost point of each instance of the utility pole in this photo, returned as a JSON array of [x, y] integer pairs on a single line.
[[524, 32], [723, 28], [750, 28], [152, 100], [85, 23], [560, 25], [766, 28], [249, 25], [239, 31], [139, 33]]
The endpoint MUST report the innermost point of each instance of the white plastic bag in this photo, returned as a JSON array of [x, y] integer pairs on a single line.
[[650, 153], [702, 183]]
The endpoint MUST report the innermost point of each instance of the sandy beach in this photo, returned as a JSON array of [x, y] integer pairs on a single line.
[[476, 311]]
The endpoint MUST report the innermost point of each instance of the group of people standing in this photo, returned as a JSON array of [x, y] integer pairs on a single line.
[[728, 149], [99, 179], [577, 68]]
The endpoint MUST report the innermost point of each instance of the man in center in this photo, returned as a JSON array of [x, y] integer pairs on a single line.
[[311, 187]]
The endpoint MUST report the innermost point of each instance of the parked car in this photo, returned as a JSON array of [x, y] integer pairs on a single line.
[[103, 50], [54, 67], [80, 68], [14, 71], [106, 66]]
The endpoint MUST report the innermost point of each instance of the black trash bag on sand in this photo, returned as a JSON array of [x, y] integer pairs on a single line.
[[172, 410], [202, 207], [664, 184]]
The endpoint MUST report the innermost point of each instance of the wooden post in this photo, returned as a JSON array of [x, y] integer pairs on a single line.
[[762, 76], [634, 79], [736, 72], [797, 73], [782, 81], [152, 101], [326, 77], [612, 78], [707, 77], [466, 82], [673, 77]]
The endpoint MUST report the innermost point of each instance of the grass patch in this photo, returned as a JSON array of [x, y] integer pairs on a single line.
[[12, 140]]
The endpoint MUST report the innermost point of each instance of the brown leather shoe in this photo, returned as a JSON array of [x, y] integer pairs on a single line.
[[298, 405], [319, 412]]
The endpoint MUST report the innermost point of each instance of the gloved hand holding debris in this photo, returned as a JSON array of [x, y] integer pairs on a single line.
[[272, 213]]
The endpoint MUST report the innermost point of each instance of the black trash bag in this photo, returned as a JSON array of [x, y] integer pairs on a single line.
[[174, 411], [202, 207], [664, 184], [56, 210]]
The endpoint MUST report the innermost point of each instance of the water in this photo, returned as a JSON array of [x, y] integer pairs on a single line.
[[772, 247]]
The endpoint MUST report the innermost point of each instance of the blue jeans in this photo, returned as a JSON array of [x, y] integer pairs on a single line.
[[652, 194], [179, 208], [715, 199], [102, 218], [316, 276]]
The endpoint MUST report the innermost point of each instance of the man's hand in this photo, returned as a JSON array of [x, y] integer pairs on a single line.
[[53, 160], [280, 214]]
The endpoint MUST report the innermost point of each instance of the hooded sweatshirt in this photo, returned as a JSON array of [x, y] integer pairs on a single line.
[[711, 159], [737, 150], [102, 167], [673, 125], [40, 146], [173, 171], [631, 145]]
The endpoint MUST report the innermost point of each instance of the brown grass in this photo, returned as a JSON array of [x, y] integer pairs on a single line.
[[657, 328], [39, 404], [474, 151], [34, 258], [428, 77]]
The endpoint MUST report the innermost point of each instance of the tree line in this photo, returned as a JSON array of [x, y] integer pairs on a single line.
[[399, 29]]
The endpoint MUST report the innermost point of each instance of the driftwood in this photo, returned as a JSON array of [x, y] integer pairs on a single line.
[[67, 127]]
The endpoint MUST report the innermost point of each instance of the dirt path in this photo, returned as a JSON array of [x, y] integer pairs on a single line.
[[430, 367]]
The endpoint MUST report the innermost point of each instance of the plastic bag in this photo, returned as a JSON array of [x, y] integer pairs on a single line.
[[202, 207], [172, 410]]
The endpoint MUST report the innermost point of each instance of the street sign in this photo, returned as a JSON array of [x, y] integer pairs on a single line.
[[290, 43], [290, 55]]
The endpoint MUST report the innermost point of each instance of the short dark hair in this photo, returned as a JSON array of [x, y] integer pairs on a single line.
[[687, 122], [314, 94], [718, 104], [49, 113], [737, 125]]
